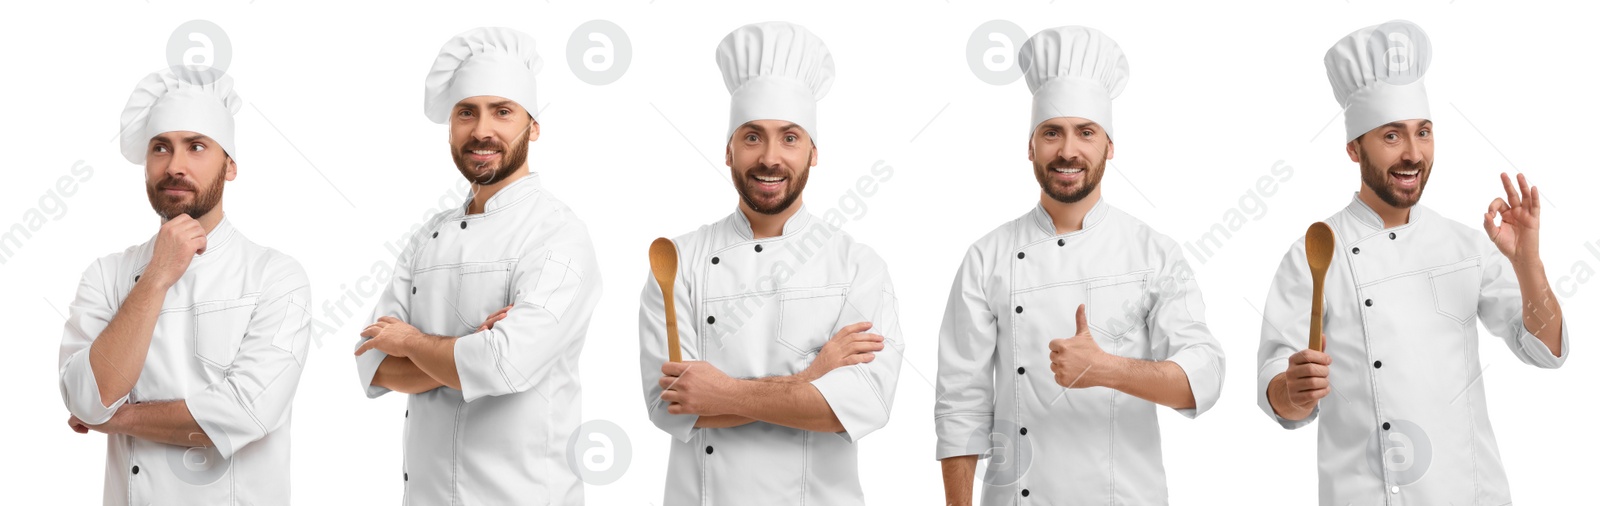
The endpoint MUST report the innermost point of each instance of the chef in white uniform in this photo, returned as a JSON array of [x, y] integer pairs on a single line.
[[186, 350], [1067, 327], [486, 314], [788, 326], [1407, 420]]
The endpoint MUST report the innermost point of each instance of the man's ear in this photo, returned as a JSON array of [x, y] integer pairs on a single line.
[[1111, 149], [533, 131], [727, 154], [1030, 149], [813, 154], [1353, 149], [231, 170]]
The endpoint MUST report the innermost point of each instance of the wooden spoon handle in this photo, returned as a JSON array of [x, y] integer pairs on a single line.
[[1316, 314], [674, 352]]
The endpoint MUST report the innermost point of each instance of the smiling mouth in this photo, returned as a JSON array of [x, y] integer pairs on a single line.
[[769, 182], [1406, 178]]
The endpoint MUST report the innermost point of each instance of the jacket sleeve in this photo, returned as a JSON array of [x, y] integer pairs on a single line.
[[1179, 333], [862, 395], [653, 350], [1500, 309], [91, 311], [1285, 320], [395, 300], [255, 394], [555, 293], [963, 408]]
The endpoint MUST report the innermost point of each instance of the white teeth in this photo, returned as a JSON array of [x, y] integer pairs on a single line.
[[1406, 173], [769, 179], [482, 152], [1069, 171]]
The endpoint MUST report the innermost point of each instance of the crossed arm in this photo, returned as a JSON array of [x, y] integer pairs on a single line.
[[417, 362], [116, 358], [699, 388]]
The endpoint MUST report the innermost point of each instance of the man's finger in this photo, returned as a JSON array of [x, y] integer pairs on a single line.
[[1083, 321], [388, 319], [1533, 206], [854, 328], [863, 336], [674, 368], [1511, 193], [370, 344], [1522, 184]]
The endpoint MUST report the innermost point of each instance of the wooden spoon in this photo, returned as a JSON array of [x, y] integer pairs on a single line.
[[664, 264], [1319, 253]]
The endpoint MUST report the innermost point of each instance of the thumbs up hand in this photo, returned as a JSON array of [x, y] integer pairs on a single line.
[[1077, 361]]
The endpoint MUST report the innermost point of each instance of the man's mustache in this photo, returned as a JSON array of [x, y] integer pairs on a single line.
[[169, 183]]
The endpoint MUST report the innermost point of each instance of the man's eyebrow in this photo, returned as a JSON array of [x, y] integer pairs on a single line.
[[759, 128], [1086, 124], [193, 138], [1400, 125]]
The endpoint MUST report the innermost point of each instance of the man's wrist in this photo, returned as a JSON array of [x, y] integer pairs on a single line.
[[1109, 372], [735, 389], [1528, 267]]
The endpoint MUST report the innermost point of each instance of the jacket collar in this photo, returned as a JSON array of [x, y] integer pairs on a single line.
[[1366, 217], [1048, 225], [796, 223], [511, 195]]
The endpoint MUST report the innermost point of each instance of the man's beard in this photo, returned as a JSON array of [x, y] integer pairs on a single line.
[[1059, 191], [794, 183], [510, 160], [1378, 180], [169, 207]]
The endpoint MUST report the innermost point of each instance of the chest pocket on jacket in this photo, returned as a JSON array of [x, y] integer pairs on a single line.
[[1116, 305], [808, 317], [481, 289], [219, 328], [1455, 290]]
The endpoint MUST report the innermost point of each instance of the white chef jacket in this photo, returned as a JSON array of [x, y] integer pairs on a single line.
[[764, 307], [231, 340], [502, 438], [1407, 421], [1018, 288]]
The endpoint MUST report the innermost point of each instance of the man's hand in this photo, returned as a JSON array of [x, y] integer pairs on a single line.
[[178, 241], [391, 336], [497, 316], [1303, 385], [696, 388], [1078, 361], [78, 426], [1517, 235], [850, 346]]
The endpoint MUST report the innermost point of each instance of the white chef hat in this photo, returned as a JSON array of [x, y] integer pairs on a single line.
[[1376, 74], [494, 61], [183, 98], [775, 70], [1073, 71]]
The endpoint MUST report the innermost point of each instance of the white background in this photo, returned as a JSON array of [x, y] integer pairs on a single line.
[[336, 159]]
